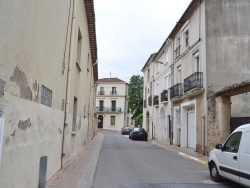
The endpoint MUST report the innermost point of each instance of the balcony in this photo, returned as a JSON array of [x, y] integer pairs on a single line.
[[108, 110], [145, 103], [150, 100], [101, 93], [156, 100], [164, 96], [194, 81], [177, 52], [113, 92], [176, 90]]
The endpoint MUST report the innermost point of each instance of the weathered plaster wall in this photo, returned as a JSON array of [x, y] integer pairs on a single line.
[[34, 53], [227, 47], [27, 137]]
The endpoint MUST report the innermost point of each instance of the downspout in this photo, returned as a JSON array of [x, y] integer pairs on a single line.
[[203, 134], [69, 75]]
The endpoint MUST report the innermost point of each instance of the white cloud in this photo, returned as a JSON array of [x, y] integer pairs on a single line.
[[128, 31]]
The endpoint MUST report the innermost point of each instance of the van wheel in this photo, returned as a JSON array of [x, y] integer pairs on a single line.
[[214, 174]]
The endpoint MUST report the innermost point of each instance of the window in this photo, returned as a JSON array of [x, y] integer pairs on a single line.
[[101, 105], [79, 47], [113, 106], [178, 48], [179, 79], [74, 127], [113, 92], [167, 81], [148, 74], [186, 38], [46, 97], [157, 89], [166, 56], [233, 143], [157, 67], [112, 122], [101, 92], [196, 63]]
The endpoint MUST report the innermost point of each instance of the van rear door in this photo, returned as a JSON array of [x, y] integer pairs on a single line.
[[244, 159]]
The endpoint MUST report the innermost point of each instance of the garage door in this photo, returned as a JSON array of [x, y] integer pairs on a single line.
[[191, 132]]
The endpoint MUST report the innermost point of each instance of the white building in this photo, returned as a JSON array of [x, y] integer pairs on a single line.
[[205, 52], [48, 70], [112, 104]]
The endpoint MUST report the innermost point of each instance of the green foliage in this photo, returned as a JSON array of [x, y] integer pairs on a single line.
[[135, 95], [138, 119]]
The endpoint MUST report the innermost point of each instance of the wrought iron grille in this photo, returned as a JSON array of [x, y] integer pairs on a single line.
[[193, 81], [164, 95], [156, 100], [176, 90]]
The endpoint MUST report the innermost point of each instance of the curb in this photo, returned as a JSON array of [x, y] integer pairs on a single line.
[[192, 158], [89, 175]]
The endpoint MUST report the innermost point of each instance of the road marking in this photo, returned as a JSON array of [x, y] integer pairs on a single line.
[[192, 158]]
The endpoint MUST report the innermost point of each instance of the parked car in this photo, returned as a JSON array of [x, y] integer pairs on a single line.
[[232, 159], [126, 130], [138, 133]]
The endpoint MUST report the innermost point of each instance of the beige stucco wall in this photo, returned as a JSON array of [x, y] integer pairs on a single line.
[[32, 47]]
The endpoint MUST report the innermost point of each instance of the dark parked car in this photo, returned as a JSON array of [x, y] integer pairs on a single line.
[[126, 130], [138, 133]]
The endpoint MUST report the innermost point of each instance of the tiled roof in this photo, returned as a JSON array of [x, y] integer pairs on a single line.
[[90, 12], [110, 80]]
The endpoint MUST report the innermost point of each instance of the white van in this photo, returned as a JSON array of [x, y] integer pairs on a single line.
[[232, 159]]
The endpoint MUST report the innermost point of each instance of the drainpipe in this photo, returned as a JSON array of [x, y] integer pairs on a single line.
[[203, 134], [69, 75]]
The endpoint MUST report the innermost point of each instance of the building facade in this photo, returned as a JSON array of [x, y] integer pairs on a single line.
[[48, 60], [205, 52], [112, 104]]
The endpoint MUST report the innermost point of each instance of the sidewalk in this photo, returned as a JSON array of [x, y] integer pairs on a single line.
[[80, 170], [185, 152]]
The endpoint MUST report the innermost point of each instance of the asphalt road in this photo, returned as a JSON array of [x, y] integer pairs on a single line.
[[124, 163]]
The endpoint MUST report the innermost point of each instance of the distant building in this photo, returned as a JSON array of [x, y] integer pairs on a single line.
[[48, 69], [112, 104], [195, 86]]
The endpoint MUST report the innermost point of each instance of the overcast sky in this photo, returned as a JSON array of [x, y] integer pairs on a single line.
[[129, 31]]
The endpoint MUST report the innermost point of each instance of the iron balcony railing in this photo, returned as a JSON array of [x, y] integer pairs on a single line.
[[193, 81], [108, 109], [177, 52], [156, 100], [145, 103], [150, 100], [113, 92], [176, 90], [101, 93], [164, 95]]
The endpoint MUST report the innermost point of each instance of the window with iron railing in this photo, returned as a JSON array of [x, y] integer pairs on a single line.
[[156, 100], [164, 95], [176, 90], [193, 81]]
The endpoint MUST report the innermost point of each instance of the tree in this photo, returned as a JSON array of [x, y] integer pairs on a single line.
[[135, 96]]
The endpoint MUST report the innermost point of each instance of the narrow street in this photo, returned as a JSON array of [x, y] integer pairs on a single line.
[[135, 164]]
